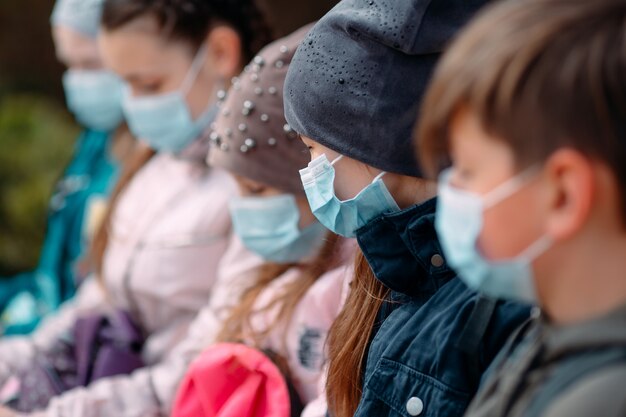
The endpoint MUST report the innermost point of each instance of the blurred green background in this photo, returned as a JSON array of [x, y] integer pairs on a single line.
[[36, 133]]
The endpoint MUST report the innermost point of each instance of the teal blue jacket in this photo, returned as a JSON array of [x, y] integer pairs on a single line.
[[26, 298]]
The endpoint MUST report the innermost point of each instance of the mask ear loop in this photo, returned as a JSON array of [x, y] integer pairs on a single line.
[[537, 248], [379, 176], [337, 159], [508, 188], [194, 70]]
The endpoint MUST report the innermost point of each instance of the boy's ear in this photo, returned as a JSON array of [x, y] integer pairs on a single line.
[[571, 191], [225, 52]]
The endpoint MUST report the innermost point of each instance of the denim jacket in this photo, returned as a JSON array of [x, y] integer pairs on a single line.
[[434, 337]]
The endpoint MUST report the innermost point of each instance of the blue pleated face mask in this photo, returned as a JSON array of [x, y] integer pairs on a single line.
[[459, 221], [343, 217], [268, 226], [95, 98], [164, 121]]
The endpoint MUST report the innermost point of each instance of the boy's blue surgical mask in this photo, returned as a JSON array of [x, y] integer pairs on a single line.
[[164, 121], [95, 98], [459, 222], [268, 226], [343, 217]]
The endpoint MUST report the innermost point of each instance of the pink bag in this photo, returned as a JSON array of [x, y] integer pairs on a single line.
[[233, 380]]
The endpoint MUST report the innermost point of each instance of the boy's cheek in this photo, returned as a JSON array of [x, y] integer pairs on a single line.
[[496, 241], [510, 228]]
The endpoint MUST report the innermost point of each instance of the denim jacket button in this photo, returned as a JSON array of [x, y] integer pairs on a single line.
[[414, 406], [437, 260]]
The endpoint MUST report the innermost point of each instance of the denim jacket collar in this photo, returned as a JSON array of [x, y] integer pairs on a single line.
[[403, 251]]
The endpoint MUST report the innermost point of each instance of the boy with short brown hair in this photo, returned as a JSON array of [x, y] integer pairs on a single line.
[[530, 105]]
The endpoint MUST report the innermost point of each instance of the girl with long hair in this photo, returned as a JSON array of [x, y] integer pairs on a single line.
[[287, 308], [412, 338]]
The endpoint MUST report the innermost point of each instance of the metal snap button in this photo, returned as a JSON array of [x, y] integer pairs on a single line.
[[437, 260], [414, 406]]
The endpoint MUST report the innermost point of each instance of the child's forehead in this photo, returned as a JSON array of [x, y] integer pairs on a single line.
[[470, 140]]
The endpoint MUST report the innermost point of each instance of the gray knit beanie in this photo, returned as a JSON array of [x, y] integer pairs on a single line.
[[357, 80]]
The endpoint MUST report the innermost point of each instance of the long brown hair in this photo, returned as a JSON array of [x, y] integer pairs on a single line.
[[237, 327], [140, 155], [349, 337]]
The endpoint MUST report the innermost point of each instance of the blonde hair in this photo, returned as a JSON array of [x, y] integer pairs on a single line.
[[238, 328], [139, 157]]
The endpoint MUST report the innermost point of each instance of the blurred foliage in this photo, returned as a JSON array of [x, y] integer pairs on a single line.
[[36, 142]]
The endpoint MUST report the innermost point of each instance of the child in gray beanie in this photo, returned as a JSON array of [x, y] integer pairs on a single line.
[[412, 337]]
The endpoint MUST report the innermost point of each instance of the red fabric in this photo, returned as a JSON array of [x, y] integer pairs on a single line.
[[231, 380]]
